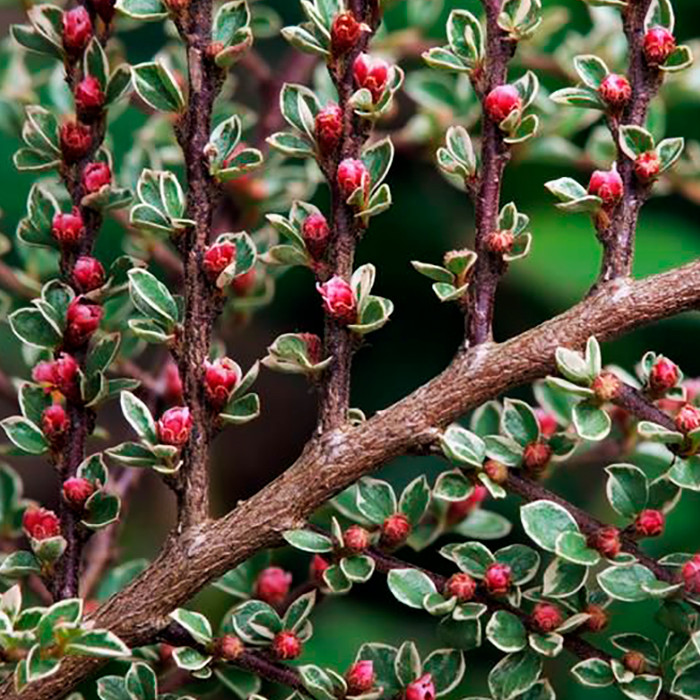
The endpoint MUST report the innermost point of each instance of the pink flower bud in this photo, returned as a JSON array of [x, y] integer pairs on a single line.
[[608, 185], [314, 347], [606, 386], [55, 424], [345, 33], [546, 421], [58, 375], [316, 569], [501, 101], [371, 73], [89, 98], [76, 139], [220, 378], [690, 573], [615, 91], [88, 273], [497, 579], [356, 539], [598, 619], [606, 541], [68, 229], [536, 457], [328, 128], [547, 617], [273, 585], [172, 384], [316, 234], [286, 646], [77, 30], [77, 490], [634, 661], [461, 586], [338, 300], [647, 166], [395, 530], [40, 523], [217, 257], [174, 426], [421, 689], [229, 647], [500, 242], [650, 523], [664, 375], [360, 677], [96, 176], [659, 44], [688, 418], [458, 510], [82, 320], [496, 471], [352, 174]]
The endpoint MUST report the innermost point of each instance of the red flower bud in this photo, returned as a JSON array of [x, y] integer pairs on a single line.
[[77, 30], [96, 176], [647, 166], [314, 347], [286, 645], [338, 300], [316, 234], [352, 174], [395, 530], [598, 619], [345, 33], [76, 139], [688, 418], [461, 586], [245, 283], [659, 44], [172, 391], [58, 375], [82, 320], [536, 457], [608, 185], [547, 617], [273, 585], [690, 573], [547, 422], [615, 91], [356, 539], [328, 127], [500, 242], [55, 423], [634, 661], [606, 386], [316, 568], [105, 9], [88, 273], [76, 491], [496, 471], [664, 375], [650, 523], [501, 101], [220, 379], [421, 689], [360, 677], [606, 541], [40, 523], [229, 647], [89, 98], [68, 229], [498, 578], [371, 73], [458, 510], [217, 257], [174, 426]]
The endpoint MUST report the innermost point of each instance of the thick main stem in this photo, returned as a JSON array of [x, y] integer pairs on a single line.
[[494, 156]]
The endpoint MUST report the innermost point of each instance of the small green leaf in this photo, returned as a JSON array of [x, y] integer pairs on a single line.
[[308, 541], [195, 623], [626, 582], [505, 631], [595, 673], [375, 500], [544, 521], [410, 586], [25, 435], [514, 674], [157, 87], [627, 489]]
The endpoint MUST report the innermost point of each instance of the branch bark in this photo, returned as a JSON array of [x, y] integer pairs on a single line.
[[331, 462]]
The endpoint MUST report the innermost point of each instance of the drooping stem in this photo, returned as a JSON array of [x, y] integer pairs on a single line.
[[494, 156]]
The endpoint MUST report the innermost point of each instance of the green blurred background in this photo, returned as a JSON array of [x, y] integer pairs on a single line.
[[428, 218]]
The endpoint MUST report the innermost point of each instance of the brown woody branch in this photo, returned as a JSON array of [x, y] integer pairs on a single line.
[[331, 462], [489, 266]]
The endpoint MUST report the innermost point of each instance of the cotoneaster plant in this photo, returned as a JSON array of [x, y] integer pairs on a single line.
[[217, 193]]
